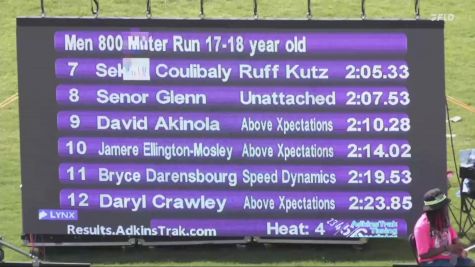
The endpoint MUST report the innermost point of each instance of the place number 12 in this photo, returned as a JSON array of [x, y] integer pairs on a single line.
[[81, 200]]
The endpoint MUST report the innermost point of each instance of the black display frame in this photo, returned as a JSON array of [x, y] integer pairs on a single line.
[[28, 123]]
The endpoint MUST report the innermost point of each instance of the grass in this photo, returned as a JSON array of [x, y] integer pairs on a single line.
[[460, 77], [301, 255]]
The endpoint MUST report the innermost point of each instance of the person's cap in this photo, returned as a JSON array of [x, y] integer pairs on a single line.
[[435, 199]]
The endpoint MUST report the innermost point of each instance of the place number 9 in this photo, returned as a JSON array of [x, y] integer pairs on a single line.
[[74, 121], [74, 95]]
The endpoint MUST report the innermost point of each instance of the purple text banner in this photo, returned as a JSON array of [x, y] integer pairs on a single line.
[[235, 202], [234, 176], [255, 124], [230, 149], [290, 228], [285, 98], [248, 43], [225, 71]]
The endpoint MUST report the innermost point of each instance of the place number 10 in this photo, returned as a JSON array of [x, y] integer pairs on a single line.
[[79, 147]]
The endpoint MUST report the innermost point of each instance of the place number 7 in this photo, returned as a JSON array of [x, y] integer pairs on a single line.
[[73, 66]]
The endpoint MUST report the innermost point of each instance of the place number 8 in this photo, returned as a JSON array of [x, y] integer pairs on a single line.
[[73, 95]]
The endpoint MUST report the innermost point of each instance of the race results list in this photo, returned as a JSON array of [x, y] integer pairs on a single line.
[[226, 132]]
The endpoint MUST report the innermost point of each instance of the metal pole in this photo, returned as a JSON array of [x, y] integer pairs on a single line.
[[42, 8], [363, 9], [309, 9], [95, 8], [14, 248], [202, 9], [149, 9], [417, 9]]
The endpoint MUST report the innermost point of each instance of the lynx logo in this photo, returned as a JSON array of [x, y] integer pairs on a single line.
[[58, 215]]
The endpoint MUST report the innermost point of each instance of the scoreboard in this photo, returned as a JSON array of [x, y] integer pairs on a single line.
[[212, 129]]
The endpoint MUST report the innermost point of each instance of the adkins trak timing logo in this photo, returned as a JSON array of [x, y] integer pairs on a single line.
[[58, 215]]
